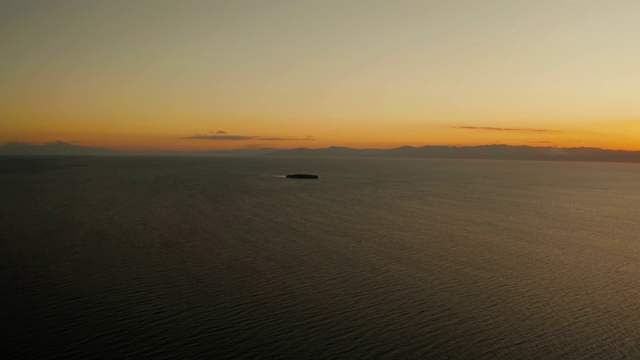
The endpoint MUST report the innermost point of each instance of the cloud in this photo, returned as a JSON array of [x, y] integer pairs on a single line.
[[221, 132], [224, 137], [488, 128], [220, 137], [283, 138]]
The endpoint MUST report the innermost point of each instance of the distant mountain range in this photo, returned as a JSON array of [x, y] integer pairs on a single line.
[[497, 152], [56, 148], [60, 148]]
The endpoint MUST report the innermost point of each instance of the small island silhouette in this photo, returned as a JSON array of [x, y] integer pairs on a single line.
[[302, 176]]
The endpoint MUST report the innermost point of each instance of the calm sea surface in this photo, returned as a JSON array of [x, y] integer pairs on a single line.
[[225, 258]]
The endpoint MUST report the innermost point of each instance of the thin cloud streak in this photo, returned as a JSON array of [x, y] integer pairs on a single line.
[[221, 137], [243, 137], [488, 128]]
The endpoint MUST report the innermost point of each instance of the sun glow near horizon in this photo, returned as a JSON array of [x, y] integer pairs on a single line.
[[284, 74]]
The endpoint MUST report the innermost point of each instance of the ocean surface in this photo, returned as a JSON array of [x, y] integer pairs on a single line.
[[379, 258]]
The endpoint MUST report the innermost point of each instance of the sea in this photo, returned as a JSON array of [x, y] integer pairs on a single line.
[[225, 258]]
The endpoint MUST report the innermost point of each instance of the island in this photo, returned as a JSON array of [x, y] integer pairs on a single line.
[[302, 176]]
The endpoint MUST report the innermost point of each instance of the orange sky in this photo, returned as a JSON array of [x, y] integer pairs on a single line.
[[285, 74]]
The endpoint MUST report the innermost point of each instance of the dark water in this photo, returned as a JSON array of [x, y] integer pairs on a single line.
[[225, 258]]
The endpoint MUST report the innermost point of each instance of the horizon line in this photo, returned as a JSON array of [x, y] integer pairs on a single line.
[[123, 149]]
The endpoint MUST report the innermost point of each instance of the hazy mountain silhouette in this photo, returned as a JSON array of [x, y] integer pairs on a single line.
[[497, 152], [238, 152], [60, 148], [56, 148]]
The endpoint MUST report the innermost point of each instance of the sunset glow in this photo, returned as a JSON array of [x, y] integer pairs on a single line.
[[287, 74]]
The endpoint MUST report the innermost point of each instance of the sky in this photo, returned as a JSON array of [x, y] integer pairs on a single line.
[[194, 74]]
